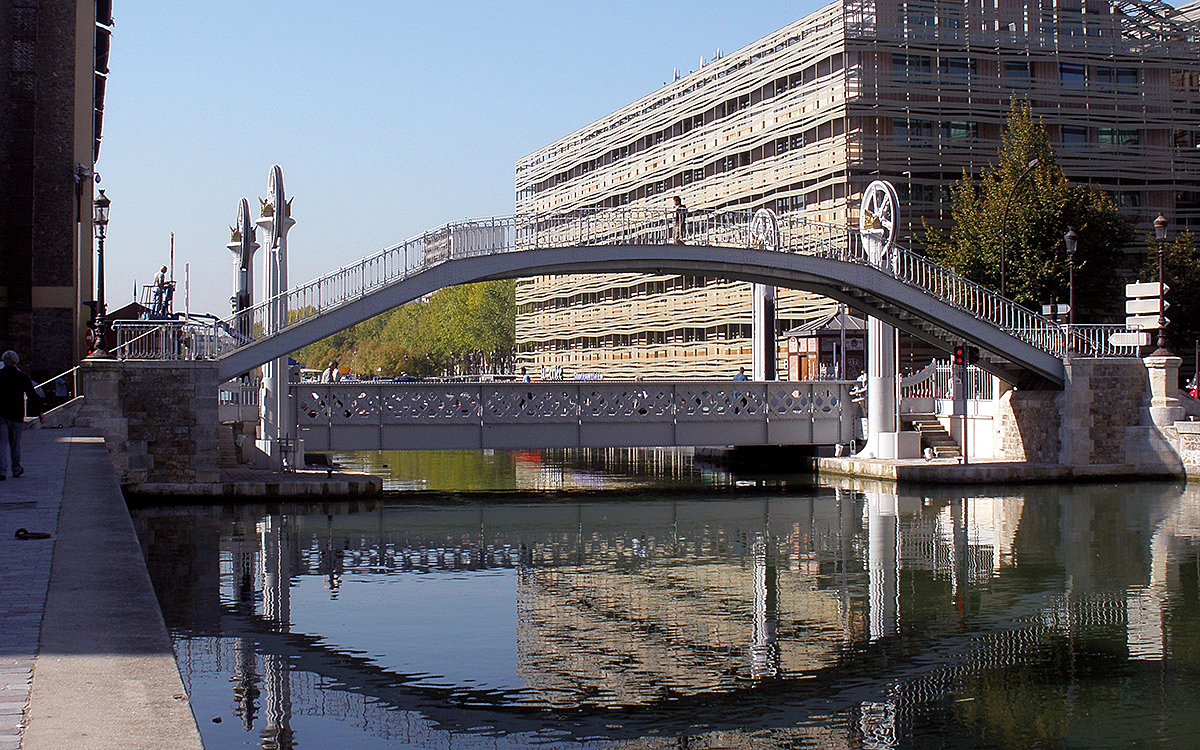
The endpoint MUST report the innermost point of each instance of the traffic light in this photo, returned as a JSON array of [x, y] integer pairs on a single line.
[[960, 356], [972, 355]]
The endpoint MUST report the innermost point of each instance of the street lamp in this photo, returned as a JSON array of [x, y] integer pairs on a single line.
[[1004, 221], [100, 208], [1072, 241], [1160, 234]]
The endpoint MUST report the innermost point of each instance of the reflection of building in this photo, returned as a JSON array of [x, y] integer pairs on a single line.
[[51, 107], [803, 119]]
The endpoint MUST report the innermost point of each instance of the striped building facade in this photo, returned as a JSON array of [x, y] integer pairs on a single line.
[[913, 91]]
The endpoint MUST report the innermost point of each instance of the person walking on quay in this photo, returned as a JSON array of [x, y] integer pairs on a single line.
[[15, 386], [678, 221]]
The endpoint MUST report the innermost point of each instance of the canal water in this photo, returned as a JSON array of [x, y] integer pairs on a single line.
[[709, 612]]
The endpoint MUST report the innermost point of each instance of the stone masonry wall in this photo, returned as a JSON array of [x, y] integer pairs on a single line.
[[159, 419], [1028, 426], [1087, 423], [1111, 394]]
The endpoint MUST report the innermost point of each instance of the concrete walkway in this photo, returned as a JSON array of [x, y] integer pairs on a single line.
[[85, 659]]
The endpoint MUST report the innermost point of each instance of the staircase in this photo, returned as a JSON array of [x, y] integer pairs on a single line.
[[226, 447], [934, 435]]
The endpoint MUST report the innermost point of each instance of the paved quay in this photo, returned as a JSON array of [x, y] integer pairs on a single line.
[[85, 658], [978, 471], [247, 485]]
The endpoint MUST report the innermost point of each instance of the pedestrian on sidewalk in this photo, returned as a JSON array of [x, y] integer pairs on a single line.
[[15, 386]]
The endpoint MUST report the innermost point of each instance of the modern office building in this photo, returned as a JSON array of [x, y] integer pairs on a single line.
[[53, 70], [912, 91]]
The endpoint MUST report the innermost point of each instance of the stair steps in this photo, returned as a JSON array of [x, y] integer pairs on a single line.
[[934, 435]]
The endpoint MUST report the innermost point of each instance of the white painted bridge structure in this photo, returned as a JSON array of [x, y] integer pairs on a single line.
[[866, 270]]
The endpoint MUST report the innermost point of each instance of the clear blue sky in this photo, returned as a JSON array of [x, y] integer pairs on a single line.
[[388, 117]]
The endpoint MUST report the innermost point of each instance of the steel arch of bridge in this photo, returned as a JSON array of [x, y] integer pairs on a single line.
[[904, 289]]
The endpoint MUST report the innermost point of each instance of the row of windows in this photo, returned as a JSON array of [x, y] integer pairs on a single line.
[[725, 109], [611, 294], [723, 164], [922, 65], [951, 129], [1078, 136], [725, 332], [1077, 74]]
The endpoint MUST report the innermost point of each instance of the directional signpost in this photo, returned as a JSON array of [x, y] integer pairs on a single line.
[[1141, 305]]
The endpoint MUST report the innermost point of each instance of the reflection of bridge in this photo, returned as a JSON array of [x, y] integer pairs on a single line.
[[585, 414], [902, 288], [808, 593]]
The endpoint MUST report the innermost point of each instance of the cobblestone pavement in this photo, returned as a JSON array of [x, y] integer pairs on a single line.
[[31, 502]]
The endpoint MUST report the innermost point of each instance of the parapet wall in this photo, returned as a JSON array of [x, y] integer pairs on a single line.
[[159, 419]]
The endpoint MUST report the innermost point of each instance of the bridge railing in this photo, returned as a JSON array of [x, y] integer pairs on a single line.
[[1041, 332], [385, 416], [177, 340]]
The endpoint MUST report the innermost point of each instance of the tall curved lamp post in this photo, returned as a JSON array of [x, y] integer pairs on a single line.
[[100, 208], [1071, 240], [1004, 221], [1160, 234]]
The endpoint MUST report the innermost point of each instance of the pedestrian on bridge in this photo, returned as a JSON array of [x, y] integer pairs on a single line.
[[678, 220], [331, 374], [15, 387]]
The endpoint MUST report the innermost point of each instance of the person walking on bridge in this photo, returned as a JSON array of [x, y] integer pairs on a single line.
[[331, 374], [15, 386], [678, 220]]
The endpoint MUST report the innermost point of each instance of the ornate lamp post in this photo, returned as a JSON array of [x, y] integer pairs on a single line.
[[1004, 221], [100, 208], [1160, 234]]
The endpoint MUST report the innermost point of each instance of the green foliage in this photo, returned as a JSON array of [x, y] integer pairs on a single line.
[[1181, 270], [1044, 205], [460, 329]]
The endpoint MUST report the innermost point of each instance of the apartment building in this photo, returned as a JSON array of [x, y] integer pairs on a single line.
[[912, 91], [53, 71]]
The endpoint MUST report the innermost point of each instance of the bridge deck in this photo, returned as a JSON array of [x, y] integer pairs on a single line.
[[583, 414]]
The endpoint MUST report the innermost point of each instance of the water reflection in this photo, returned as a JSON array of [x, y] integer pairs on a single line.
[[846, 617], [548, 470]]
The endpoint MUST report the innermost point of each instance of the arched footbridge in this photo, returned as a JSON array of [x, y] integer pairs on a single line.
[[902, 288]]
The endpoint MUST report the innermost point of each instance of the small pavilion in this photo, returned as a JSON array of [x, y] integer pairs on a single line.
[[815, 350]]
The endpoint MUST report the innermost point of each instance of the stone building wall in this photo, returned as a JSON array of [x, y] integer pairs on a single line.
[[159, 419]]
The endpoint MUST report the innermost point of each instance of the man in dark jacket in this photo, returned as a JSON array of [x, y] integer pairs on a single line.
[[14, 387]]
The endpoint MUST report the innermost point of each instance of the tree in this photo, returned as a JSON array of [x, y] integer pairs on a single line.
[[1044, 205], [462, 329]]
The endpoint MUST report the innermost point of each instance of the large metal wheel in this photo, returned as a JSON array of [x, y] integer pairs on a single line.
[[880, 212]]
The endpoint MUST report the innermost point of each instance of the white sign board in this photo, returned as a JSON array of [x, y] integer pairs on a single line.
[[1144, 321], [1144, 306], [1144, 289], [1132, 338]]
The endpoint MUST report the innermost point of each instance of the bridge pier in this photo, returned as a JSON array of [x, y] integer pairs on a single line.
[[159, 421]]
